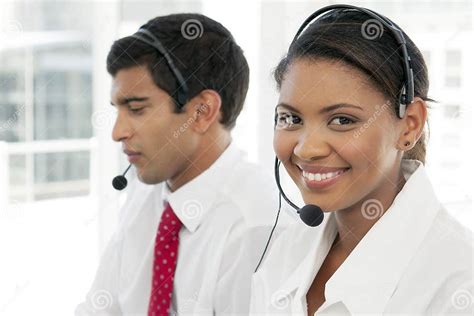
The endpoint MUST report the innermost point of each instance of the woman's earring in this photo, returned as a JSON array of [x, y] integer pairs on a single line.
[[407, 144]]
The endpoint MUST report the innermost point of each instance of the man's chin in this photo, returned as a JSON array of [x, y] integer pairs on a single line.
[[149, 179]]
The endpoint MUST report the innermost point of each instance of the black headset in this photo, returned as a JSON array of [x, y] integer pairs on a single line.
[[149, 38], [407, 92], [313, 215]]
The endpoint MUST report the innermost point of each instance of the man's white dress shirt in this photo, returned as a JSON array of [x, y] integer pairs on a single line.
[[416, 259], [227, 212]]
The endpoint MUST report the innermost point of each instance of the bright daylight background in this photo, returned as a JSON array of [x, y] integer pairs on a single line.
[[57, 159]]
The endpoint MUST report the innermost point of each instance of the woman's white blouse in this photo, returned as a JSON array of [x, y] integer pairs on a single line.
[[416, 259]]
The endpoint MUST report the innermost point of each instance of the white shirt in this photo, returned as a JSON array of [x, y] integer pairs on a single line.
[[227, 213], [416, 259]]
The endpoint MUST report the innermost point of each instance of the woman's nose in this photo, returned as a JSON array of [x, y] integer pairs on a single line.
[[311, 146]]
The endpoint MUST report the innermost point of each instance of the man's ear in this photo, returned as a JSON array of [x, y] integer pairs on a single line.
[[412, 124], [205, 109]]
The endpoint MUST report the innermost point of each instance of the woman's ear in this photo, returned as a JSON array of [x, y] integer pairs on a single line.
[[412, 124], [205, 110]]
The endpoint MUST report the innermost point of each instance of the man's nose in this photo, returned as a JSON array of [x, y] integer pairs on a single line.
[[122, 129]]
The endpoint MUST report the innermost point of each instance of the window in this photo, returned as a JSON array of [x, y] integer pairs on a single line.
[[453, 69], [51, 101], [451, 111]]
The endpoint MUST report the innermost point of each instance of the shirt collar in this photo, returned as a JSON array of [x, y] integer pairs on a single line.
[[321, 238], [193, 200], [378, 261]]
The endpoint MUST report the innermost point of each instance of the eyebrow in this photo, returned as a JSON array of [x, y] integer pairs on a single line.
[[326, 109], [125, 101]]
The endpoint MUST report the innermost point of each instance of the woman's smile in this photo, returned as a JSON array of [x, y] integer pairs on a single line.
[[318, 178]]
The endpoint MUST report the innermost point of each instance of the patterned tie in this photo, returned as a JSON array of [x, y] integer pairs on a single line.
[[164, 263]]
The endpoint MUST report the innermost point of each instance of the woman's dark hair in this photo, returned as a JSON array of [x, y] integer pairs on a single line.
[[346, 35], [202, 49]]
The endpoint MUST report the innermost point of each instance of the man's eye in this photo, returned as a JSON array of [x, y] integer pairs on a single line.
[[342, 120]]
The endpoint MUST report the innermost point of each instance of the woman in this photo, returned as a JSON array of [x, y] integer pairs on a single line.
[[386, 244]]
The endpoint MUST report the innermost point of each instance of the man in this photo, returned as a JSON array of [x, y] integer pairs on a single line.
[[189, 244]]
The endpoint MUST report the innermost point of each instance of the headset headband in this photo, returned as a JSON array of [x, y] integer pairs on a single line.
[[182, 94], [407, 93]]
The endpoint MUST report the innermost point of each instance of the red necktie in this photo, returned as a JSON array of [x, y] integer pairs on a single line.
[[164, 263]]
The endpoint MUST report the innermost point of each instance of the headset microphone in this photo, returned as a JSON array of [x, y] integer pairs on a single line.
[[120, 182], [311, 215]]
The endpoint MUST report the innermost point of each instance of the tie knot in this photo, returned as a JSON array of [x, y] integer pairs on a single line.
[[170, 223]]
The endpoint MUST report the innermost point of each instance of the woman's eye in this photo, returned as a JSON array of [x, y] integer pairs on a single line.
[[342, 120], [286, 120]]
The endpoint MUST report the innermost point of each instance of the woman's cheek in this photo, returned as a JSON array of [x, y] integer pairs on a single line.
[[282, 145], [359, 153]]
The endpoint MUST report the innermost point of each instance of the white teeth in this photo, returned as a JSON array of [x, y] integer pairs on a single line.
[[321, 176]]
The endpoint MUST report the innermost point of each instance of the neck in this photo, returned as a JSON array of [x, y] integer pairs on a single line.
[[208, 152], [354, 223]]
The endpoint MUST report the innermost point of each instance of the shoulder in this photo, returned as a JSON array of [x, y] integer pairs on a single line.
[[443, 262], [451, 248], [450, 241]]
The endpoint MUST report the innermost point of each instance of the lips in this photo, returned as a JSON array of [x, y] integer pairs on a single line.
[[130, 152], [132, 156]]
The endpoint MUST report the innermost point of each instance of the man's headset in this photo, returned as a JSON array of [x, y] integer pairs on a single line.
[[313, 215]]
